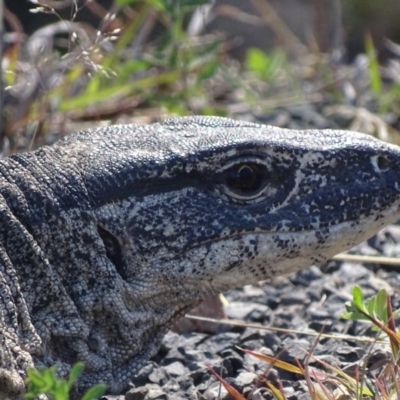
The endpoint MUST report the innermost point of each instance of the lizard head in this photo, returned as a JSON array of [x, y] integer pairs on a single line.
[[199, 205], [190, 207]]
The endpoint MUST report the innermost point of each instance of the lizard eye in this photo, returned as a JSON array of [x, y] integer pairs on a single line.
[[246, 180]]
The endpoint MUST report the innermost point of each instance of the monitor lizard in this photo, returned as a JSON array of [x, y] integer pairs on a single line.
[[110, 235]]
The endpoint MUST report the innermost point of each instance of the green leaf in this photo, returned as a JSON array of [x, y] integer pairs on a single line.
[[208, 71], [373, 66], [266, 66], [34, 376], [371, 307], [61, 391], [95, 392], [356, 307], [358, 297], [194, 3], [381, 304], [75, 373], [125, 2], [160, 5], [256, 61]]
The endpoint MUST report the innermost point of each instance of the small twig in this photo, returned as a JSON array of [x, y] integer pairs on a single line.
[[368, 259], [283, 330]]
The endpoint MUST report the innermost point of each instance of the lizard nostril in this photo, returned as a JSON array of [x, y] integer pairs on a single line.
[[383, 163]]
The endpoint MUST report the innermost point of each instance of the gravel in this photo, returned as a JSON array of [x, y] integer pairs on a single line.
[[312, 299]]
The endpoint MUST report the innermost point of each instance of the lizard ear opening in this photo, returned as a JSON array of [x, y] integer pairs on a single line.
[[113, 250]]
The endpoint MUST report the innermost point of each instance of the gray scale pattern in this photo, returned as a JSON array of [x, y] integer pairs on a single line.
[[112, 234]]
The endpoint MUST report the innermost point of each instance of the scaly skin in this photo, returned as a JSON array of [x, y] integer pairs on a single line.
[[110, 235]]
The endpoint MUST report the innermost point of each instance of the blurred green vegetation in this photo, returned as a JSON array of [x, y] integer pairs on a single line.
[[121, 69], [45, 382]]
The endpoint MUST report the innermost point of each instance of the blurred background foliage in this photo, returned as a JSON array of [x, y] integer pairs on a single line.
[[70, 64]]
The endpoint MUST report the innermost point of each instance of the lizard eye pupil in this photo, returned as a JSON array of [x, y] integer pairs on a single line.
[[245, 178]]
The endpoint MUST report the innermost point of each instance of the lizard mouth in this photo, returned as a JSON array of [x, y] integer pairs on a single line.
[[316, 230], [349, 230]]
